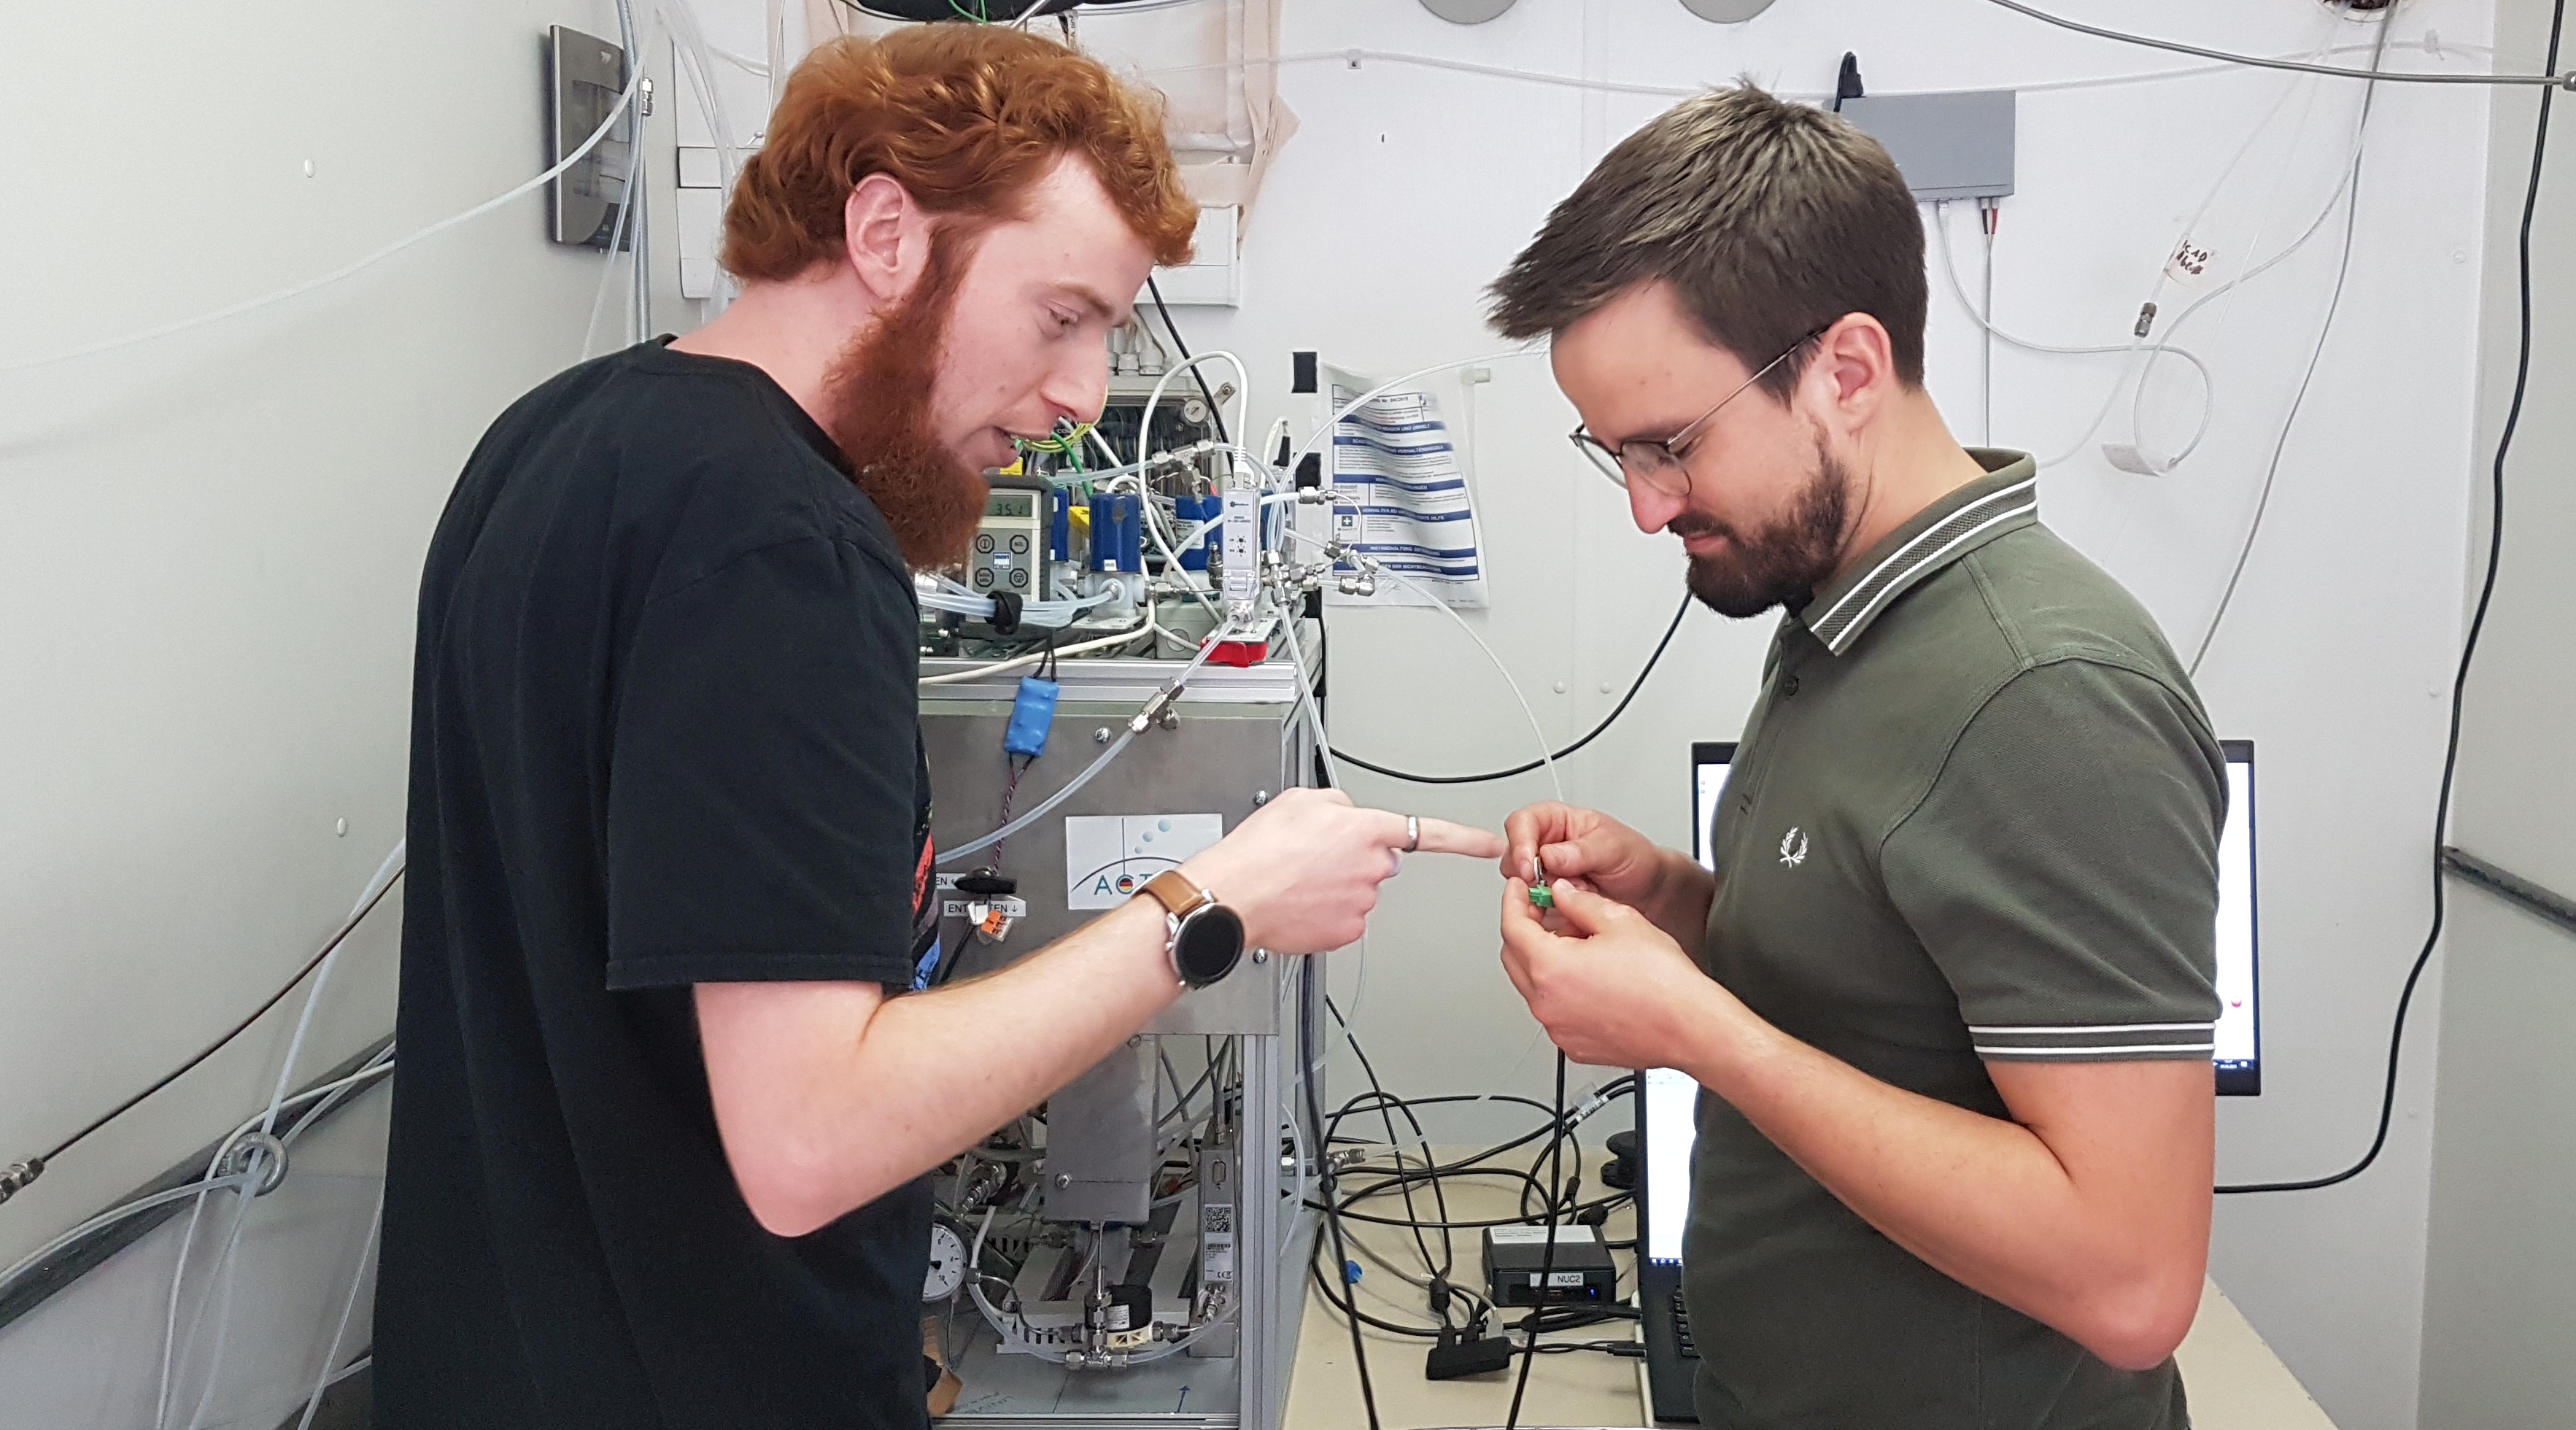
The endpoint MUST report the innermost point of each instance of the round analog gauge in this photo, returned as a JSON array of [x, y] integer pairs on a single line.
[[947, 1263]]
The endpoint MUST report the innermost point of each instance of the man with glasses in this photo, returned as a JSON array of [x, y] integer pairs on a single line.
[[1949, 994]]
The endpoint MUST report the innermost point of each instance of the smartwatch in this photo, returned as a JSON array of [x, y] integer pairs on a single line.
[[1206, 937]]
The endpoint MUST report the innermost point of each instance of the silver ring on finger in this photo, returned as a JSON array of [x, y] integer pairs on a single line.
[[1412, 833]]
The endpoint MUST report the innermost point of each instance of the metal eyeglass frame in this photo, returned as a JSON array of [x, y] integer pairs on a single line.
[[1676, 448]]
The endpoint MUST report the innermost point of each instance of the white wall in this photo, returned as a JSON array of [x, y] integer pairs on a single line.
[[2500, 1290], [91, 1356], [209, 552], [1409, 188], [211, 544]]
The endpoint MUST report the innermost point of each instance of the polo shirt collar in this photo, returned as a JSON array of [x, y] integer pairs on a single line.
[[2004, 499]]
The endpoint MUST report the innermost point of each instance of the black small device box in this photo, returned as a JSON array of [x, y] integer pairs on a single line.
[[1456, 1356], [1581, 1274]]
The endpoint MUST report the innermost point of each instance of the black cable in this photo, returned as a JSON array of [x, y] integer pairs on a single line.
[[1547, 1252], [1476, 1164], [1438, 1269], [1216, 413], [1605, 1205], [1481, 1308], [1607, 721], [1348, 1305], [35, 1166], [1628, 1350], [2468, 648], [1306, 1056]]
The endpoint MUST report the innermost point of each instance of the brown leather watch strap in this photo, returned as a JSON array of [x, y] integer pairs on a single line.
[[1174, 891]]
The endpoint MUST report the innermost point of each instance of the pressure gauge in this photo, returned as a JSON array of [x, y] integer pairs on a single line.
[[947, 1263]]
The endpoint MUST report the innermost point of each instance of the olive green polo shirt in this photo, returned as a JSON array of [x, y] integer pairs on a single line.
[[1973, 818]]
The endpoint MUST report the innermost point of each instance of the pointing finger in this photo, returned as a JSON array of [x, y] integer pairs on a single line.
[[1439, 836]]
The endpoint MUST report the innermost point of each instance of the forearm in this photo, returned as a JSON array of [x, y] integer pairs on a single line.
[[1986, 1201], [917, 1078], [1680, 901]]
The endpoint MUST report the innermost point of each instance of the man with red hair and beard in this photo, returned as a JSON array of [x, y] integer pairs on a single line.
[[666, 1102]]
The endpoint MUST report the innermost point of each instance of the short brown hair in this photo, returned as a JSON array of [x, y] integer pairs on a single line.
[[966, 118], [1770, 219]]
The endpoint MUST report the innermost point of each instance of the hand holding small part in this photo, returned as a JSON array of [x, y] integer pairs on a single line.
[[1610, 988]]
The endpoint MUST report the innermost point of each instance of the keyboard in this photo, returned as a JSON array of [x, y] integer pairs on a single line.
[[1681, 1328]]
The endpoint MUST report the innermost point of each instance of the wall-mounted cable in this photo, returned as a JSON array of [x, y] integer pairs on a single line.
[[2468, 645], [1356, 58], [1524, 768], [2551, 80], [346, 270], [2350, 189], [17, 1177]]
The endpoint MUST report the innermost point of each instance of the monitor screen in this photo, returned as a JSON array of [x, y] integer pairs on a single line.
[[2239, 1041], [2238, 1044], [1667, 1123]]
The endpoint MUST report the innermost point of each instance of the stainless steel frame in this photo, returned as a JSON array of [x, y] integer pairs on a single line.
[[1236, 741]]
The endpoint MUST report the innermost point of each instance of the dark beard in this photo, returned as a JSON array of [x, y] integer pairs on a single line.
[[1784, 562], [879, 397]]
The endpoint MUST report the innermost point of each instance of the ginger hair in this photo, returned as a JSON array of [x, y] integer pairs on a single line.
[[967, 118]]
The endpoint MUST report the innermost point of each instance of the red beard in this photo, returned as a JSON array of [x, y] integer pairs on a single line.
[[879, 396]]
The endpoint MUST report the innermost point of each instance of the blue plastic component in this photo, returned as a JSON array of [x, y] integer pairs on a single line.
[[1192, 511], [1118, 532], [1060, 525], [1032, 715]]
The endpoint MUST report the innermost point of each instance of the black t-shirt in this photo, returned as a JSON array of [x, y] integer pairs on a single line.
[[663, 732]]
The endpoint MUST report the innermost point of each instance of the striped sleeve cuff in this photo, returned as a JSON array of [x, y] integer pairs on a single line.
[[2105, 1042]]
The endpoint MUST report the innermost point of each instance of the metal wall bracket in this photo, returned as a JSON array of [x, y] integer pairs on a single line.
[[2543, 903]]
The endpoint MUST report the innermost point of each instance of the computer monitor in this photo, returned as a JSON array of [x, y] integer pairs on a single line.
[[2238, 1047], [1667, 1125]]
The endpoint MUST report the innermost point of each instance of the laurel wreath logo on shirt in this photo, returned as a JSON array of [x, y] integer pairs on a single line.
[[1793, 848]]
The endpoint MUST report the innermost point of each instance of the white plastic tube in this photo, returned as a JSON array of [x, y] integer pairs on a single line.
[[346, 270], [2208, 384], [1005, 667], [1091, 771], [348, 1308], [106, 1219], [698, 55], [1546, 754], [1154, 399], [975, 1274], [1048, 614], [391, 868], [1306, 699], [229, 1263]]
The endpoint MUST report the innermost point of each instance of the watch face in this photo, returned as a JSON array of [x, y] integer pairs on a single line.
[[1210, 942]]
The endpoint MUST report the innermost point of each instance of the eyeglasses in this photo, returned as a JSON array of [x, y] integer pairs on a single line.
[[1658, 466]]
